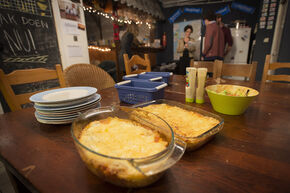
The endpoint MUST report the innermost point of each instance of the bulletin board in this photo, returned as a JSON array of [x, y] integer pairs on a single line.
[[178, 31]]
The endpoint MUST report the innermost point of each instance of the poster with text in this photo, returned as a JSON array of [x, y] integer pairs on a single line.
[[178, 33]]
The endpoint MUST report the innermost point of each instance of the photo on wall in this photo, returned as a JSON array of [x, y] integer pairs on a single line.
[[69, 10], [178, 33]]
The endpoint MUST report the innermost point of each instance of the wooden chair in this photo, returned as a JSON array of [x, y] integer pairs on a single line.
[[273, 66], [18, 77], [137, 60], [244, 70], [211, 66], [202, 64], [87, 75]]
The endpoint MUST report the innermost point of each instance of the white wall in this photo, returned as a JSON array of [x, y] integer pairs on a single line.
[[66, 39]]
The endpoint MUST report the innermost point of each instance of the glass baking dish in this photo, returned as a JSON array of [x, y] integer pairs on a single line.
[[192, 142], [128, 172]]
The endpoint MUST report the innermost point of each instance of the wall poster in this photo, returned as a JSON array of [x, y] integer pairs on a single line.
[[178, 31]]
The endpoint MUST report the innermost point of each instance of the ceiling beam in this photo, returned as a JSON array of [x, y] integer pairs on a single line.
[[176, 3]]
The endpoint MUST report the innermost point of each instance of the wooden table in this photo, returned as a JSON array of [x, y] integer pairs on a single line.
[[251, 153]]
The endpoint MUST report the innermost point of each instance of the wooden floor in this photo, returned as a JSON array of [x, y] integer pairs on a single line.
[[5, 184]]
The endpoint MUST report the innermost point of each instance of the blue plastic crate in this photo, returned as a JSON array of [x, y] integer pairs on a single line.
[[143, 77], [165, 75], [137, 91]]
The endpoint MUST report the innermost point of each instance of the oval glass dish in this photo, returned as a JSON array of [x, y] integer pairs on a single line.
[[128, 171], [192, 142]]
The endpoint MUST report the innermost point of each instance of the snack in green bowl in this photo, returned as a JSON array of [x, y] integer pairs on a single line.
[[230, 99]]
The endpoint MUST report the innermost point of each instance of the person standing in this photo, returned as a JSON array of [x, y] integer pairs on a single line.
[[73, 10], [186, 49], [186, 42], [227, 34], [128, 40], [214, 43]]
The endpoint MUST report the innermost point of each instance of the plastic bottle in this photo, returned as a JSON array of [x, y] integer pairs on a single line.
[[190, 84], [201, 77]]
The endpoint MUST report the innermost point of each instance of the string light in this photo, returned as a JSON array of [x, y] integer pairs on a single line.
[[99, 48], [114, 18]]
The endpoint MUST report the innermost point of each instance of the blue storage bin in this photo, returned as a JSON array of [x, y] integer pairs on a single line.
[[165, 75], [137, 91], [143, 77]]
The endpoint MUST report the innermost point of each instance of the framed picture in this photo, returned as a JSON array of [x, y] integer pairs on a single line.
[[265, 10], [272, 13], [265, 6], [273, 4], [262, 18], [270, 22], [271, 18], [272, 8], [69, 10], [269, 26]]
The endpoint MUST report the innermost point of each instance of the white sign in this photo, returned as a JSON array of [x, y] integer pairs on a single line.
[[70, 27], [74, 51]]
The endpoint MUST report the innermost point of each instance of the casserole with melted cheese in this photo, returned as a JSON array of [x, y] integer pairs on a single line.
[[121, 138], [114, 137], [188, 125]]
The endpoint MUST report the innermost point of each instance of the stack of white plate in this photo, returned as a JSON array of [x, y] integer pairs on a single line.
[[61, 106]]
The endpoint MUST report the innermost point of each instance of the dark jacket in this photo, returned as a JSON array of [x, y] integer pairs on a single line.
[[125, 48]]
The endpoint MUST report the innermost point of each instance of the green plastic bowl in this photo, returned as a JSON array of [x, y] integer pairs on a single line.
[[222, 101]]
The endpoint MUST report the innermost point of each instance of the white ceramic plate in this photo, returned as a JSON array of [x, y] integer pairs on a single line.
[[68, 103], [69, 111], [54, 117], [54, 122], [65, 108], [63, 95]]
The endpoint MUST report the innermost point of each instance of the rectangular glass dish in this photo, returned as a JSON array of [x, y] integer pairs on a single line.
[[192, 142]]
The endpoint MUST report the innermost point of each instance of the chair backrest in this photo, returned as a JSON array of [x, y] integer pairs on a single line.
[[203, 64], [18, 77], [212, 66], [273, 66], [137, 60], [244, 70], [87, 75]]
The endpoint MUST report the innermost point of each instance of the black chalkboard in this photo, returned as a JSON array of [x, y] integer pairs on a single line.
[[27, 40], [28, 36]]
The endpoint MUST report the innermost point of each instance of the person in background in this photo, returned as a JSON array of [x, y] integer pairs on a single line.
[[66, 10], [227, 34], [186, 49], [214, 43], [186, 42], [128, 40], [73, 11]]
